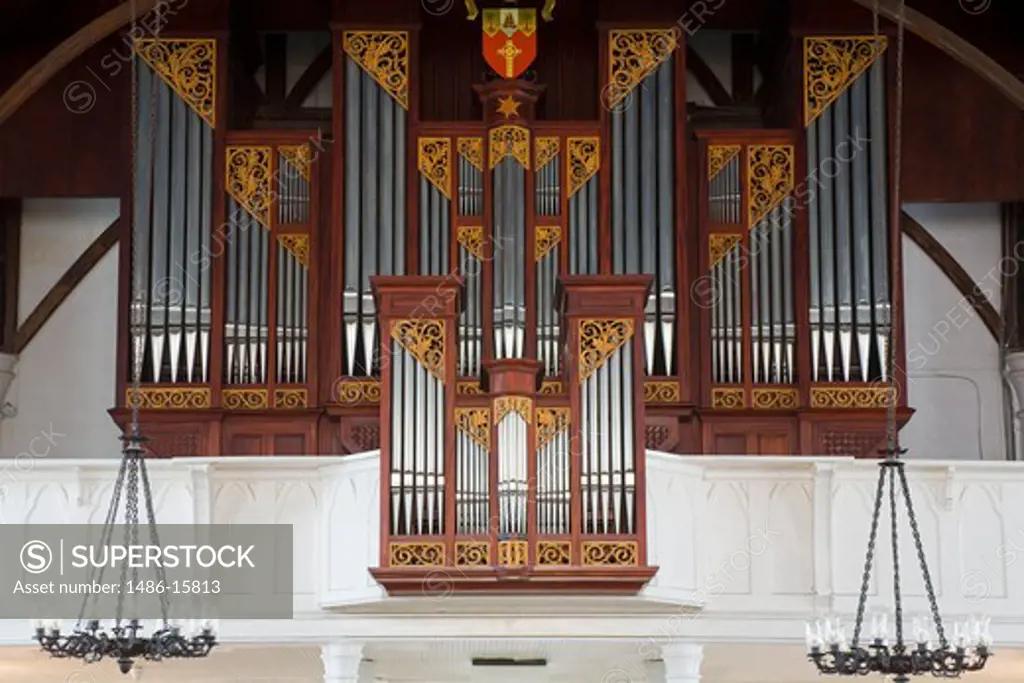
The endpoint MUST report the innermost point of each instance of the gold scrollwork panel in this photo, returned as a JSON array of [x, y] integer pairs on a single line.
[[248, 180], [513, 553], [610, 553], [599, 339], [770, 178], [831, 65], [416, 554], [424, 339], [472, 553], [160, 398], [435, 163], [851, 397], [245, 399], [385, 56], [584, 161], [189, 67], [554, 553], [728, 398]]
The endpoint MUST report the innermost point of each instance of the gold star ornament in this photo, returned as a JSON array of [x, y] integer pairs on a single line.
[[508, 106]]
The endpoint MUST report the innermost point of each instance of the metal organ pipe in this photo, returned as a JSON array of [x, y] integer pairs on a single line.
[[643, 206], [849, 234], [374, 200], [174, 194]]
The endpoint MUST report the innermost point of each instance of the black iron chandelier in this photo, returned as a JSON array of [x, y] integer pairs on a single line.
[[124, 640], [887, 651]]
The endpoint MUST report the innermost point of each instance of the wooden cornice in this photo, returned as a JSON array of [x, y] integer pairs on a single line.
[[66, 52], [65, 285], [952, 269]]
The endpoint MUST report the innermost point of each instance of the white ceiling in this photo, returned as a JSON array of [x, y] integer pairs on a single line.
[[429, 661]]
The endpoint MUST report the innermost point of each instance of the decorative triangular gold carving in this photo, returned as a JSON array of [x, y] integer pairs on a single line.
[[424, 340], [476, 424], [831, 65], [633, 55], [719, 245], [599, 339], [719, 156], [189, 67], [247, 180], [503, 405], [385, 56], [297, 245], [509, 141], [471, 237], [299, 156], [770, 178], [584, 161], [546, 149], [545, 238], [435, 163], [550, 422], [472, 150]]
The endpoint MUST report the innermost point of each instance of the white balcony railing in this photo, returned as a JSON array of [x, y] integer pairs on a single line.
[[752, 540]]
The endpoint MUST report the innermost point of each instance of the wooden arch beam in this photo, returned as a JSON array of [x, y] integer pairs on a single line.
[[952, 269], [56, 59], [954, 46]]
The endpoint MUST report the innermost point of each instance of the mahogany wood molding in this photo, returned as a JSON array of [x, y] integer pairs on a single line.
[[65, 285], [66, 52], [954, 46], [955, 272]]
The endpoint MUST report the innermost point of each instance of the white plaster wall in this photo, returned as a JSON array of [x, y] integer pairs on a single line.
[[953, 363], [64, 380]]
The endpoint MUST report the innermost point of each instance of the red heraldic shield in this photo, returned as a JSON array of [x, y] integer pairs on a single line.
[[510, 40]]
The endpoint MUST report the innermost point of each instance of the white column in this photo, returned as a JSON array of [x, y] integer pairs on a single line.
[[341, 660], [682, 662]]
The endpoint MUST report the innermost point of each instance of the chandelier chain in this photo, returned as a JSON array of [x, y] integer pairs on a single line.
[[932, 602], [155, 540], [897, 596], [869, 560]]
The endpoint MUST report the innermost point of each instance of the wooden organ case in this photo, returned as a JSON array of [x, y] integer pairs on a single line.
[[513, 308]]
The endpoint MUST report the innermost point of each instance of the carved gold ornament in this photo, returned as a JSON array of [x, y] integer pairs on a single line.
[[728, 398], [247, 180], [189, 67], [476, 424], [610, 553], [471, 237], [291, 399], [472, 553], [159, 398], [503, 405], [632, 56], [851, 397], [414, 554], [245, 399], [545, 238], [551, 387], [770, 178], [584, 162], [509, 141], [297, 245], [720, 245], [300, 157], [352, 392], [469, 388], [508, 107], [661, 391], [599, 339], [424, 340], [435, 163], [554, 553], [385, 56], [719, 157], [831, 65], [513, 553], [775, 399], [546, 148], [472, 150], [550, 423]]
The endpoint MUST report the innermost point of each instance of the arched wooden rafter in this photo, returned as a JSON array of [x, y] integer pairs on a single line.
[[56, 59]]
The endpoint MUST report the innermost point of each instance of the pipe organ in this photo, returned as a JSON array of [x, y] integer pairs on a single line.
[[514, 423]]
